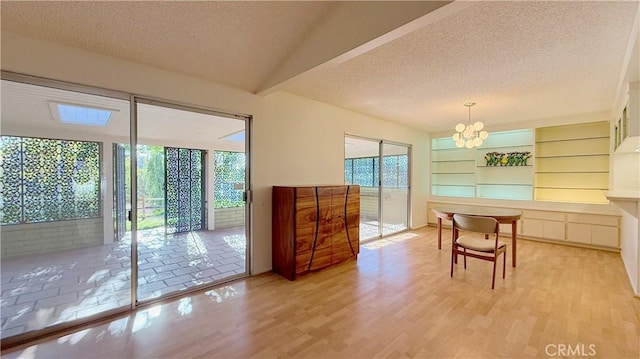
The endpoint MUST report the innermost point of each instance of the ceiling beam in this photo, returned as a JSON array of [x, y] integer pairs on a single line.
[[353, 28]]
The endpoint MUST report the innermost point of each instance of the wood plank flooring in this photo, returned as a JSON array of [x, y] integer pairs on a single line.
[[396, 301]]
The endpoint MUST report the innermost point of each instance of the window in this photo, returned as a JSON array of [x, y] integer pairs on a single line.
[[365, 171], [49, 180], [229, 179]]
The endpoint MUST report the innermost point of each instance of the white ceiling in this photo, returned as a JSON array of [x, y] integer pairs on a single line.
[[28, 110], [414, 63]]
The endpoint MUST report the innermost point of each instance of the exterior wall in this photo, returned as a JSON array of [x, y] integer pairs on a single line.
[[228, 217], [32, 238], [368, 203], [394, 203]]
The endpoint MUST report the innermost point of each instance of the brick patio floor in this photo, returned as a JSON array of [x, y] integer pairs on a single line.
[[45, 289]]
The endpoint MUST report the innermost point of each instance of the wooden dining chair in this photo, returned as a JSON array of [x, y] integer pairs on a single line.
[[481, 243]]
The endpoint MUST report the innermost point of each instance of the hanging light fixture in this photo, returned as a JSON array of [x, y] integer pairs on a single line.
[[471, 135]]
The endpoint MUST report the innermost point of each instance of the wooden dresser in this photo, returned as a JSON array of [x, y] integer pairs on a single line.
[[314, 227]]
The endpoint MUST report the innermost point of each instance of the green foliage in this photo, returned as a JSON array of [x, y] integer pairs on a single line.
[[148, 223], [507, 159], [154, 172], [229, 169], [158, 212]]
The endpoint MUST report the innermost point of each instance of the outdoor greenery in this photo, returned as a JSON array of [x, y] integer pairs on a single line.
[[151, 171], [148, 223]]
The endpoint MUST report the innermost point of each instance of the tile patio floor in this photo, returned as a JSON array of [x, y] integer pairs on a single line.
[[369, 228], [45, 289]]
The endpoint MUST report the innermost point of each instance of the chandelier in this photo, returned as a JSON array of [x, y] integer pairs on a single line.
[[470, 136]]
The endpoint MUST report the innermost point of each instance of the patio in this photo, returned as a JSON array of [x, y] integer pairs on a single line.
[[45, 289]]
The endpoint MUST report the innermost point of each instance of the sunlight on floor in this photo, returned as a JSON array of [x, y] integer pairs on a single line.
[[236, 241], [222, 293], [389, 240], [48, 289]]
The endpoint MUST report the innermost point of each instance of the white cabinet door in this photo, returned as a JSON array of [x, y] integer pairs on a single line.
[[593, 234], [579, 233], [543, 229], [533, 228], [604, 236], [553, 230]]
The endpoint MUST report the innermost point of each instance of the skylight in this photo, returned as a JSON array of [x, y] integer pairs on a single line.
[[234, 137], [81, 115]]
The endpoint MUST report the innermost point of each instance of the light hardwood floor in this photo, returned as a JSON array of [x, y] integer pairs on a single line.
[[396, 301]]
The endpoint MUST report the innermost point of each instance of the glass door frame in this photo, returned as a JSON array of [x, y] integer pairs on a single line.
[[54, 329], [248, 224], [62, 327], [381, 189], [381, 143]]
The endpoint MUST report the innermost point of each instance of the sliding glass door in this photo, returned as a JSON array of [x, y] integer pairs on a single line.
[[191, 210], [362, 167], [395, 187], [65, 258], [381, 169], [108, 200]]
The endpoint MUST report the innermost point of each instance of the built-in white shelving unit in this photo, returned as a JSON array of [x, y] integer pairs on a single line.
[[568, 164], [505, 182], [572, 163], [452, 169], [463, 172]]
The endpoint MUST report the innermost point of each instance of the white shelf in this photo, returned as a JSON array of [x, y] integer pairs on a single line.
[[623, 195]]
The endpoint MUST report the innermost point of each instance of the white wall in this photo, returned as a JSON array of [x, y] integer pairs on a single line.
[[295, 141], [625, 166], [630, 248]]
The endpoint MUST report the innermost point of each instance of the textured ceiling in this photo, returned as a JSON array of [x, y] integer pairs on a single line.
[[235, 43], [518, 60]]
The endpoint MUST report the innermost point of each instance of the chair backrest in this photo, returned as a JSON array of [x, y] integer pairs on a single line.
[[476, 223]]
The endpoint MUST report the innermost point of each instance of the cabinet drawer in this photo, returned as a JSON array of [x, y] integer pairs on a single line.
[[543, 229], [579, 233], [550, 216], [592, 219], [605, 236], [593, 234]]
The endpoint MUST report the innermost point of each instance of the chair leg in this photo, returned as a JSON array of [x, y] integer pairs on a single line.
[[504, 261], [455, 259], [493, 280], [453, 250], [465, 258]]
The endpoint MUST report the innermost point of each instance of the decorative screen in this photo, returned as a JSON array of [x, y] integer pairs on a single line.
[[365, 171], [184, 178], [229, 179], [49, 180]]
